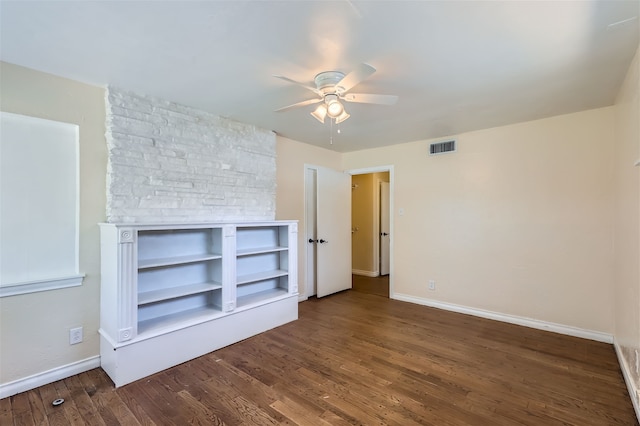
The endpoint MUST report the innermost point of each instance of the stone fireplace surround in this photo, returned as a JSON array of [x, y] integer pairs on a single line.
[[170, 163]]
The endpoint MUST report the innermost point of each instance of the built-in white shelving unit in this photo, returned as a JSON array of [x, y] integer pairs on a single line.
[[170, 293]]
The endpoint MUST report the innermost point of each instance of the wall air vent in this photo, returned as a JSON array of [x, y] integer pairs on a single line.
[[442, 147]]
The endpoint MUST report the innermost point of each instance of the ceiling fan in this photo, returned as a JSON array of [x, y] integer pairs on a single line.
[[332, 87]]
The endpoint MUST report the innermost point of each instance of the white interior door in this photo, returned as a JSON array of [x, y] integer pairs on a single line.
[[333, 247], [311, 230], [384, 228]]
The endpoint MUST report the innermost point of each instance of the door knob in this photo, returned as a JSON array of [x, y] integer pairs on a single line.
[[323, 241], [384, 234], [311, 240]]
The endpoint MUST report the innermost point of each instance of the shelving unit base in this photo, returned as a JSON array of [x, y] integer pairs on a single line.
[[139, 358]]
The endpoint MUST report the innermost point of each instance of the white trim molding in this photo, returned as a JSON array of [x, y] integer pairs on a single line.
[[511, 319], [50, 376], [634, 393], [365, 273], [15, 289]]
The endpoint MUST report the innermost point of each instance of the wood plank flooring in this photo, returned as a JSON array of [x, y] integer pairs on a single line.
[[358, 358], [371, 285]]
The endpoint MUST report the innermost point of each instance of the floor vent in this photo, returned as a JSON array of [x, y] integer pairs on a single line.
[[442, 147]]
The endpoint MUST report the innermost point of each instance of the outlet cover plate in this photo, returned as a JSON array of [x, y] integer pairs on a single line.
[[75, 336]]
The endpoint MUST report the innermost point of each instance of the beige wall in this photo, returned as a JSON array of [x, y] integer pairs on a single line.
[[627, 220], [291, 157], [34, 328], [518, 221]]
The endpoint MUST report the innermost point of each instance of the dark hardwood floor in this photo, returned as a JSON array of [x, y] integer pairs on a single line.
[[371, 285], [358, 358]]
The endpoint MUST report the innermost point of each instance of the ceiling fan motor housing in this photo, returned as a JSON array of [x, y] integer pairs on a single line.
[[326, 81]]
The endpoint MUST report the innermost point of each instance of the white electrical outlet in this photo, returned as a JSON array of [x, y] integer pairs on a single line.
[[432, 285], [75, 336]]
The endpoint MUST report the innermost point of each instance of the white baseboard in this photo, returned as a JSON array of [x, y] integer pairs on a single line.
[[634, 393], [365, 273], [512, 319], [50, 376]]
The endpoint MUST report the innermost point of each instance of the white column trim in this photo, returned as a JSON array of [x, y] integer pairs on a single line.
[[634, 393]]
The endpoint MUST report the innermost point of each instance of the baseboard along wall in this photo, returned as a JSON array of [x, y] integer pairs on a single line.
[[49, 376], [512, 319], [365, 273]]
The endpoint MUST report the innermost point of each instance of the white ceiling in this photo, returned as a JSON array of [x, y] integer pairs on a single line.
[[456, 65]]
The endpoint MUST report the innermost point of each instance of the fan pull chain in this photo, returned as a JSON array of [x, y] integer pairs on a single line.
[[331, 131]]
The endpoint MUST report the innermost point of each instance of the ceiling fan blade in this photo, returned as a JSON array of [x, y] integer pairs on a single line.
[[366, 98], [299, 104], [354, 77], [306, 86]]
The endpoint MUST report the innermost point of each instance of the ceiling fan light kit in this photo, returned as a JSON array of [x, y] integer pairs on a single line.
[[332, 87], [339, 119], [320, 113], [324, 110], [334, 107]]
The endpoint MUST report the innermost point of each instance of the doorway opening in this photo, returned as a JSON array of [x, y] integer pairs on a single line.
[[328, 230], [371, 223]]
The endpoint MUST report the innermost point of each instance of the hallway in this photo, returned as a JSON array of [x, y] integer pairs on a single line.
[[371, 285]]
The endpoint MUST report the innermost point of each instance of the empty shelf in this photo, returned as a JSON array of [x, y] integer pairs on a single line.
[[175, 292], [178, 320], [259, 250], [260, 297], [176, 260], [260, 276]]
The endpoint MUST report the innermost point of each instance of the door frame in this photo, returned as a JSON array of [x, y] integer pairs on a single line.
[[310, 274], [379, 244], [381, 169]]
